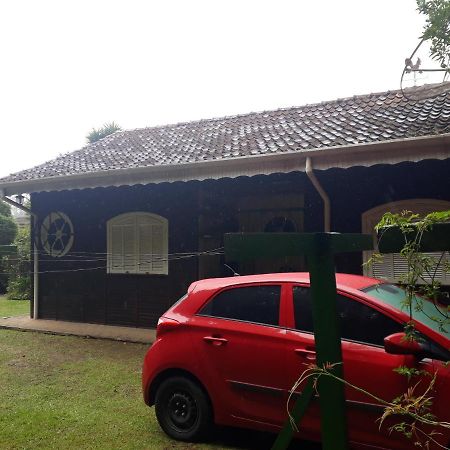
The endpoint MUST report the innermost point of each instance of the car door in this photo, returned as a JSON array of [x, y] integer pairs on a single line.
[[237, 335], [365, 363]]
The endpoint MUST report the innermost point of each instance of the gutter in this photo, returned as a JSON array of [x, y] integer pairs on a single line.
[[339, 156], [326, 200], [35, 252]]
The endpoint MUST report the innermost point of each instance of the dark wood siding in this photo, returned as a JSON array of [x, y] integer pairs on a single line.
[[199, 213], [71, 292]]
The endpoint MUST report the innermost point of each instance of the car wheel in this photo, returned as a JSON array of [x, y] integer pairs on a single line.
[[183, 410]]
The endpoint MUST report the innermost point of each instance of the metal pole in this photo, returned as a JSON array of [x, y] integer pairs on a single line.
[[35, 275]]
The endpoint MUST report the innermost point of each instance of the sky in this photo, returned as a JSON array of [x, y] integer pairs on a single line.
[[67, 67]]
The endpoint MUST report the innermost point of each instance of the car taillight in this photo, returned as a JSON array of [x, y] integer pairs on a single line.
[[164, 325]]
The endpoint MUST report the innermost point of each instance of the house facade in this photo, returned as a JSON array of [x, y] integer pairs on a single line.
[[123, 226]]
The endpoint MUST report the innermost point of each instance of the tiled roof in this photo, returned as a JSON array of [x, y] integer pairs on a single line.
[[356, 120]]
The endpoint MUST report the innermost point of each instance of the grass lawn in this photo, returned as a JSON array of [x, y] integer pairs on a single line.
[[9, 308], [61, 392]]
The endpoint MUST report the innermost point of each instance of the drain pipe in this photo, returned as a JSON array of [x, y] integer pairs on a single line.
[[326, 200], [35, 252]]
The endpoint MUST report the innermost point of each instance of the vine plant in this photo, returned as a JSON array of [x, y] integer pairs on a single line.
[[411, 409]]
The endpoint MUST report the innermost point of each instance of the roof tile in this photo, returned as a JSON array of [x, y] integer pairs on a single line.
[[355, 120]]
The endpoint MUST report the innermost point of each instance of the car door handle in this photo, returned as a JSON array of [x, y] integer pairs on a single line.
[[309, 354], [215, 340]]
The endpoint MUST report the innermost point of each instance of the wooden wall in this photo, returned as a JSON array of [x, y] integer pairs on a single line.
[[199, 213]]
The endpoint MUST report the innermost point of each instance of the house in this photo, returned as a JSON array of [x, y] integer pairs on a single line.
[[124, 225]]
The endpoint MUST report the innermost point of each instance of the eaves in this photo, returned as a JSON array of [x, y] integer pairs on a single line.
[[385, 152]]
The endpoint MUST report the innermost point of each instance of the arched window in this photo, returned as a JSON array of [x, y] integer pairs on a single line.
[[138, 243], [393, 265]]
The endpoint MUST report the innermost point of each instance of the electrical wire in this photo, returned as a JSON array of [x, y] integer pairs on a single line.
[[170, 258]]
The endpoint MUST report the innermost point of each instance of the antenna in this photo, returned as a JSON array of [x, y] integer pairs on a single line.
[[234, 272]]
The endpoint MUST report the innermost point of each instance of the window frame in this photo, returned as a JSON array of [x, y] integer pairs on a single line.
[[350, 296], [281, 304], [132, 219]]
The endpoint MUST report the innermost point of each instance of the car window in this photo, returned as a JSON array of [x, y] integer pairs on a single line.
[[259, 304], [359, 322]]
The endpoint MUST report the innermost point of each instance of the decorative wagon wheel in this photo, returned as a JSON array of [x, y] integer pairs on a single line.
[[57, 234]]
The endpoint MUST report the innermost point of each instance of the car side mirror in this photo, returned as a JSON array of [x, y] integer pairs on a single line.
[[399, 344]]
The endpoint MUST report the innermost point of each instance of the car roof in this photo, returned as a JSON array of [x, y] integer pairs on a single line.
[[343, 280]]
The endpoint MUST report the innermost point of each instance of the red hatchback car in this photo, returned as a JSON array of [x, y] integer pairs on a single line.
[[230, 350]]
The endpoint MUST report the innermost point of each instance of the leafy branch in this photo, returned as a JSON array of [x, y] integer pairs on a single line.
[[409, 405]]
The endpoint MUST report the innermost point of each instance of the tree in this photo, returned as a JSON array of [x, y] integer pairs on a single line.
[[8, 231], [437, 28], [19, 282], [5, 209], [107, 129]]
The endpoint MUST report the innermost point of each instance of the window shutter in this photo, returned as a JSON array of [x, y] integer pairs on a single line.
[[138, 243], [394, 266], [160, 263], [116, 250], [129, 250], [122, 249], [145, 248]]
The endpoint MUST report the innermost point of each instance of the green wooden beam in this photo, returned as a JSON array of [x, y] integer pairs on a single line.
[[437, 239], [248, 246]]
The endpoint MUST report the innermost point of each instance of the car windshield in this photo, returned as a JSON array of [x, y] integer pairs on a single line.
[[423, 310]]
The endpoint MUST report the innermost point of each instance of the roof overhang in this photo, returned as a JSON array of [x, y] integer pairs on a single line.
[[386, 152]]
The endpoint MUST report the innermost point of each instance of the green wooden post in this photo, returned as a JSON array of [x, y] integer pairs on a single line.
[[328, 343], [319, 249], [298, 411]]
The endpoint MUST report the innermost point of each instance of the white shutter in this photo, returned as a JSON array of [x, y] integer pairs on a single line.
[[145, 248], [121, 254], [115, 253], [138, 243], [383, 268], [159, 255], [129, 248]]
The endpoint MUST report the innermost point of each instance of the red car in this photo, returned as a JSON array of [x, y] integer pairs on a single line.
[[230, 350]]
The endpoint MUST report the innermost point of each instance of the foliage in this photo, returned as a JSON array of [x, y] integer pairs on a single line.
[[414, 409], [437, 28], [19, 284], [5, 209], [8, 230], [107, 129], [419, 282], [420, 279]]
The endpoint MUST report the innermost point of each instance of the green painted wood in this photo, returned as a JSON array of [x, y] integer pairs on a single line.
[[328, 342], [248, 246], [298, 411], [437, 239], [319, 249]]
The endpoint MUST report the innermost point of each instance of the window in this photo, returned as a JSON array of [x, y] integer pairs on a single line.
[[258, 304], [393, 265], [137, 243], [359, 322]]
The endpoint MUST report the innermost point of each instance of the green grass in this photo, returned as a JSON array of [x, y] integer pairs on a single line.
[[9, 308], [61, 392]]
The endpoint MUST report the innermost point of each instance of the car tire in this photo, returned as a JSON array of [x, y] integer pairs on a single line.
[[183, 409]]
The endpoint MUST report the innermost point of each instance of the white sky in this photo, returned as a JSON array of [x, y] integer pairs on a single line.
[[66, 67]]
